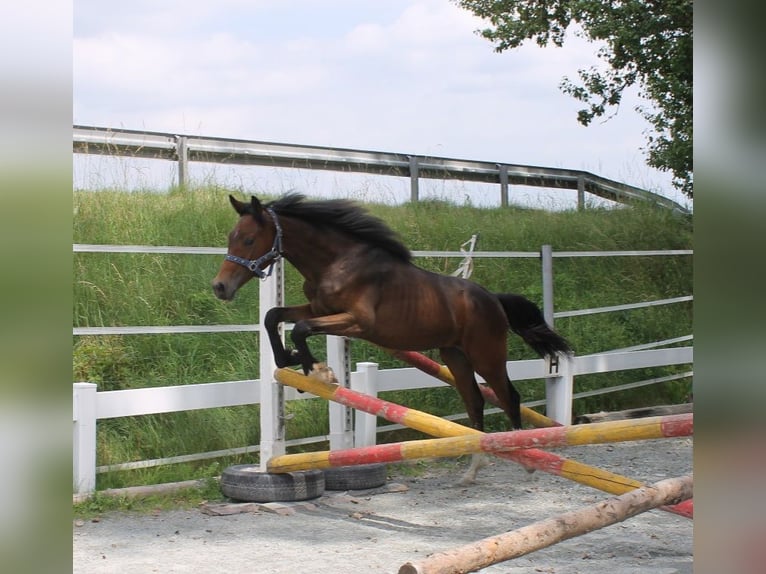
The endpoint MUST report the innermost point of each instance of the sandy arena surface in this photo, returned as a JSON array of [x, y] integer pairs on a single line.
[[412, 517]]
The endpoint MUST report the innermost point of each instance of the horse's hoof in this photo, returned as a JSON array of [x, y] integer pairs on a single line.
[[478, 461], [466, 481], [323, 373], [294, 357]]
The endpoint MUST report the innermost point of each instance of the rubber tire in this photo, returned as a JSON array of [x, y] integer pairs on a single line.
[[357, 477], [247, 483]]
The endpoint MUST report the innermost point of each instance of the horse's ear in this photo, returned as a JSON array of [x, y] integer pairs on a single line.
[[253, 208], [239, 206], [256, 209]]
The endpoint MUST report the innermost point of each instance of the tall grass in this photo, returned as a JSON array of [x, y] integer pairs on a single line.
[[113, 289]]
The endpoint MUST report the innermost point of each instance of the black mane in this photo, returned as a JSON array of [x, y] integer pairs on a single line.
[[344, 215]]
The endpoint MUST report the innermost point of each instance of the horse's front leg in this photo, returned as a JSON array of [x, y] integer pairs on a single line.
[[276, 315], [341, 324]]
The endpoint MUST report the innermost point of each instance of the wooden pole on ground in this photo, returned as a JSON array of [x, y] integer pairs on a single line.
[[544, 533], [436, 426], [495, 443]]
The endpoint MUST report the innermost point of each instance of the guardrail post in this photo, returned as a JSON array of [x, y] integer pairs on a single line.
[[581, 192], [341, 417], [414, 175], [365, 424], [182, 152], [503, 185], [270, 294], [84, 437]]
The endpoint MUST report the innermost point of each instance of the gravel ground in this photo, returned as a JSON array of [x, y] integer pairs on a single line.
[[410, 518]]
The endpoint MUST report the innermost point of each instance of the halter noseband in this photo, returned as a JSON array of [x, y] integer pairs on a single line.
[[271, 257]]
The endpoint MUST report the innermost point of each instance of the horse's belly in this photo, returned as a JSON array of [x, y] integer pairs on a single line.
[[411, 336]]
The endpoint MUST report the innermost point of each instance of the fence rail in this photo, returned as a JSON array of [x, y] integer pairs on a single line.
[[185, 329], [185, 148]]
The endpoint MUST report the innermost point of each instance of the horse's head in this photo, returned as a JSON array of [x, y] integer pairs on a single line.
[[254, 244]]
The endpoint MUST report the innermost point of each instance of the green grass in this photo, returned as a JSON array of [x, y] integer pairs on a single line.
[[112, 289], [101, 503]]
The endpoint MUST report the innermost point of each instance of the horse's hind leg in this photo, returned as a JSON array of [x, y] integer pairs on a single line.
[[340, 324], [514, 404], [492, 369], [465, 383], [507, 395]]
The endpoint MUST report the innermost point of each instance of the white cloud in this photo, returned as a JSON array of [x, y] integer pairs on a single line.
[[405, 76], [367, 38]]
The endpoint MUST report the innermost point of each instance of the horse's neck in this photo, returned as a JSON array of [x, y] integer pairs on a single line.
[[309, 249]]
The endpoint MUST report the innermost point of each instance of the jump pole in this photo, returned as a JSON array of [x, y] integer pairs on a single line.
[[431, 367], [435, 426], [544, 533], [494, 443], [528, 415]]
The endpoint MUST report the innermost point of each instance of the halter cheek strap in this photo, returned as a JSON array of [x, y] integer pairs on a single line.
[[271, 257]]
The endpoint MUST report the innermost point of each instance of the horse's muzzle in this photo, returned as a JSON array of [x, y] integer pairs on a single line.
[[220, 290]]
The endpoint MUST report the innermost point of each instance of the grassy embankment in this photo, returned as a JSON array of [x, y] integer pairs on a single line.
[[137, 289]]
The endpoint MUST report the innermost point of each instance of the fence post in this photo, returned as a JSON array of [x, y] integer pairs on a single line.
[[503, 185], [84, 437], [414, 175], [559, 389], [182, 152], [365, 424], [270, 294], [546, 254], [559, 385], [580, 192], [341, 417]]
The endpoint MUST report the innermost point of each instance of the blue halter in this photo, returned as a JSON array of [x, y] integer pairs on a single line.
[[271, 257]]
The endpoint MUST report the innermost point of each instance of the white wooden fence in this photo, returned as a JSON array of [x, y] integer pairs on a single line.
[[346, 428]]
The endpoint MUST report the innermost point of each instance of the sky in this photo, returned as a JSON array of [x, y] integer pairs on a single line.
[[405, 76]]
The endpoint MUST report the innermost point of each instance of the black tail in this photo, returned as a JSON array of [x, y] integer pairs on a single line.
[[527, 321]]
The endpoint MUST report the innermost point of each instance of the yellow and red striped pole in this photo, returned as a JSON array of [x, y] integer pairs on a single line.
[[494, 443], [420, 361], [436, 426]]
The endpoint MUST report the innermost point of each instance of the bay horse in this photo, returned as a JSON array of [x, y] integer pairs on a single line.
[[360, 282]]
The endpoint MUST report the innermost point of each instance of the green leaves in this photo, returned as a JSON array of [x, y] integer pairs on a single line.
[[645, 42]]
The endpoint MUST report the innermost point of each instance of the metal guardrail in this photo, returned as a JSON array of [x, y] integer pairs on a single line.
[[186, 148]]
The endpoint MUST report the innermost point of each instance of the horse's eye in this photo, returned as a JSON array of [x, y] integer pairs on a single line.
[[249, 241]]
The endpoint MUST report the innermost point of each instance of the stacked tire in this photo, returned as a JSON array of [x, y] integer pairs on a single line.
[[246, 482]]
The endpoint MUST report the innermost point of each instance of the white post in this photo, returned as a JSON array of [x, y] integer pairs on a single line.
[[365, 425], [546, 254], [84, 437], [270, 295], [341, 417], [559, 389], [559, 385]]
